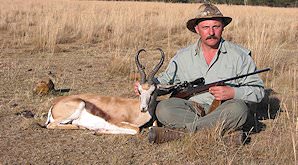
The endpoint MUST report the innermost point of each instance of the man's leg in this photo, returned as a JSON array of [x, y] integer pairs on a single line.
[[230, 115], [176, 113], [179, 113], [173, 113]]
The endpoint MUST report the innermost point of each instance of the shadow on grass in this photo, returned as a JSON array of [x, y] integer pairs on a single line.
[[60, 92], [268, 108]]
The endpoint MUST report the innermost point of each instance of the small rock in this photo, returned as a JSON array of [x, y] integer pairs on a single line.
[[26, 114], [14, 105]]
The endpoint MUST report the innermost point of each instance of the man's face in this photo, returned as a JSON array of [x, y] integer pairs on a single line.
[[210, 32]]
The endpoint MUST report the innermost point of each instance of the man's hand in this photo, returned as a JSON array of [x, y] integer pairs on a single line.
[[222, 92]]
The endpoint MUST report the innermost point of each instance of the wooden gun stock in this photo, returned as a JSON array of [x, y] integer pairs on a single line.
[[214, 105]]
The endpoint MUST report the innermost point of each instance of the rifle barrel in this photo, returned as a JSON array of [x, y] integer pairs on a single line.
[[244, 75]]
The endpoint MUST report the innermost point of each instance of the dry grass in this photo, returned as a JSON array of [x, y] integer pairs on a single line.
[[89, 46]]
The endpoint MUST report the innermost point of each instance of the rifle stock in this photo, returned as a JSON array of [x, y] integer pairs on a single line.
[[214, 105]]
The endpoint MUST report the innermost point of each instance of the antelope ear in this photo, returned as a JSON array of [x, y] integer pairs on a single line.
[[140, 88]]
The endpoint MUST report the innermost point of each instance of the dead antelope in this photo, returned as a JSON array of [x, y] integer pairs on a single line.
[[104, 114]]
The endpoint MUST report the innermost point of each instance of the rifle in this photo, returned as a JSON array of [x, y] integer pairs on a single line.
[[189, 89]]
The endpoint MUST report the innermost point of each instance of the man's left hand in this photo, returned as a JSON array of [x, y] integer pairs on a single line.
[[222, 92]]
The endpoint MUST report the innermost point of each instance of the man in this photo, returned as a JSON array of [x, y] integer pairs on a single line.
[[214, 59]]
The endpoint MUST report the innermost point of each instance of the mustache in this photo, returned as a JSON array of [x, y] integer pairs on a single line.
[[211, 37]]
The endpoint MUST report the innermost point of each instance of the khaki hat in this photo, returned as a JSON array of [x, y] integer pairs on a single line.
[[205, 12]]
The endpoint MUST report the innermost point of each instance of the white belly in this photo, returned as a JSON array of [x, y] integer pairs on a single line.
[[99, 124]]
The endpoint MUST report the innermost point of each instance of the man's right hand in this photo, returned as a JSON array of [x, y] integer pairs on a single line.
[[222, 92]]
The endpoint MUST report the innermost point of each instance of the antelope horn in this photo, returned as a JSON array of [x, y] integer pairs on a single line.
[[140, 66], [157, 67]]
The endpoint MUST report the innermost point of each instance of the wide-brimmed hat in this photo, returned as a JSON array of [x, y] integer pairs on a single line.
[[205, 12]]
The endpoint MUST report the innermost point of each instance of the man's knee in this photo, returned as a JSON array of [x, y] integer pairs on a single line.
[[162, 111], [174, 111], [235, 109], [233, 115]]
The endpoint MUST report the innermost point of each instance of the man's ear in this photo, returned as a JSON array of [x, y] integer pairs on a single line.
[[197, 29]]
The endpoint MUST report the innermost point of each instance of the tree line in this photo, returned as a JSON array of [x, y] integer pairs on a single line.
[[272, 3]]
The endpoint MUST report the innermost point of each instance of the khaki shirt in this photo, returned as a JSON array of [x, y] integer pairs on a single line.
[[231, 60]]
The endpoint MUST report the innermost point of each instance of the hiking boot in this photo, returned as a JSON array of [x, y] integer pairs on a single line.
[[236, 138], [159, 135]]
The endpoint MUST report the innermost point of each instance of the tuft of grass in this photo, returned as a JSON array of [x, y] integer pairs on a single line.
[[120, 64]]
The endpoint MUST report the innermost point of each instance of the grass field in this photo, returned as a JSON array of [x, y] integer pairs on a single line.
[[89, 46]]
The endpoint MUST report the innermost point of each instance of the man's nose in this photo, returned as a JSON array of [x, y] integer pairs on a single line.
[[211, 31]]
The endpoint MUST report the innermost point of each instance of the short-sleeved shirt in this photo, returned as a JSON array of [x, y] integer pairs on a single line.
[[230, 60]]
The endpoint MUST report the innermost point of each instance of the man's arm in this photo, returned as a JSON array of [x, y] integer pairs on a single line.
[[250, 88]]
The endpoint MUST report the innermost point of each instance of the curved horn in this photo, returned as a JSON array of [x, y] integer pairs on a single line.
[[140, 66], [157, 67]]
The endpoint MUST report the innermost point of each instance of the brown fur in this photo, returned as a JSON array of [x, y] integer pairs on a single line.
[[94, 110]]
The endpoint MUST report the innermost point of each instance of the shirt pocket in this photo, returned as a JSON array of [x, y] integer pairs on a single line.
[[226, 72]]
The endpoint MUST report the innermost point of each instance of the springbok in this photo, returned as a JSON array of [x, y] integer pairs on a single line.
[[105, 114]]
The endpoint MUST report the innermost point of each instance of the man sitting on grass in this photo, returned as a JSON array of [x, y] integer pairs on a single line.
[[214, 59]]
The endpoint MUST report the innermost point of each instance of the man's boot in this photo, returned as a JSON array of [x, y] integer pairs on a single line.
[[159, 135], [236, 138]]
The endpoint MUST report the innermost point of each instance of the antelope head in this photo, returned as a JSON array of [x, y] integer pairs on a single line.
[[147, 86]]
